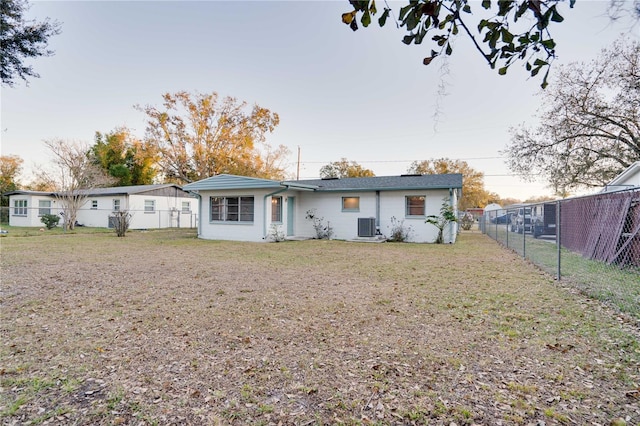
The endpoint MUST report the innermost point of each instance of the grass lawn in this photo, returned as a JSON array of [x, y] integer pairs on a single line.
[[618, 286], [162, 328]]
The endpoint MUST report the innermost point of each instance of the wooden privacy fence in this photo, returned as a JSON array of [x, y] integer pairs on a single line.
[[603, 227]]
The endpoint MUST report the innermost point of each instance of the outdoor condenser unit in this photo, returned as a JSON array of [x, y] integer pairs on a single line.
[[366, 227]]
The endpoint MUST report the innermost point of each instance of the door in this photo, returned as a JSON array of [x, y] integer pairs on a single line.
[[291, 207]]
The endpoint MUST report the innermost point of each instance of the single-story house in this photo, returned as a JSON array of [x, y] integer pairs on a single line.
[[629, 178], [251, 209], [151, 207]]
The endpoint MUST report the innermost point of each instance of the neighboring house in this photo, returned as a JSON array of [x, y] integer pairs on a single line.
[[251, 209], [629, 178], [151, 206]]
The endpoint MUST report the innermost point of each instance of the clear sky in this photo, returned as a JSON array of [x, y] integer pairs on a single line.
[[360, 95]]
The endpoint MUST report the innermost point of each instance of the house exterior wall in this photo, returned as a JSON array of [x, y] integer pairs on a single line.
[[328, 205], [167, 213], [257, 230], [393, 204], [32, 216]]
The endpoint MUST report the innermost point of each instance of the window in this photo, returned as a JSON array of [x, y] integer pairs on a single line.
[[20, 207], [276, 209], [415, 205], [94, 204], [44, 207], [116, 205], [232, 209], [186, 207], [350, 204], [149, 206]]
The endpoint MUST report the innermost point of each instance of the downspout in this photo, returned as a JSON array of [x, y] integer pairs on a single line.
[[264, 208], [378, 213], [200, 207], [451, 233]]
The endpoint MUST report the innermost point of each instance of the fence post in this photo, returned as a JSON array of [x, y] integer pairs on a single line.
[[524, 237], [558, 244], [506, 227]]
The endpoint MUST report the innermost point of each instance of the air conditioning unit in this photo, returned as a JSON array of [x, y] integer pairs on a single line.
[[366, 227]]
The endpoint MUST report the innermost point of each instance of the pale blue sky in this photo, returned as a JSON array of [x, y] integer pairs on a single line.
[[361, 95]]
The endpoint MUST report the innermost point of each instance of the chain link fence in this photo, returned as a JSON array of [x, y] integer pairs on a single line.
[[100, 218], [591, 242]]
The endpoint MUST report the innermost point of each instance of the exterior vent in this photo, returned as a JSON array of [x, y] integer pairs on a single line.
[[366, 227]]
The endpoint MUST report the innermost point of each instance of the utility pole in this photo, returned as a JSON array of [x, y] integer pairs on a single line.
[[298, 172]]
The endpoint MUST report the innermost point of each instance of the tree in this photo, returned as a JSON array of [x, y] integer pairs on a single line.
[[589, 123], [197, 136], [75, 175], [21, 39], [473, 192], [123, 157], [447, 216], [344, 169], [506, 32], [10, 168]]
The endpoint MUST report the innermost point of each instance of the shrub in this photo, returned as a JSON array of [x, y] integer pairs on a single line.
[[276, 234], [121, 220], [399, 232], [466, 222], [50, 220], [322, 231], [447, 215]]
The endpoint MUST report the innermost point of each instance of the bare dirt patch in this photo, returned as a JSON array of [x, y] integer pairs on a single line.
[[162, 328]]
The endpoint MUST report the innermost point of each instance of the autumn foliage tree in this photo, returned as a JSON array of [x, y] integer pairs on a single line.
[[588, 127], [473, 191], [344, 169], [124, 157], [200, 135], [10, 168]]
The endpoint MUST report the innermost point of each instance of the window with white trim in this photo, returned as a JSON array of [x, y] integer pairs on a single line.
[[149, 206], [415, 205], [116, 205], [186, 207], [350, 204], [20, 207], [232, 209], [94, 204], [276, 209], [44, 207]]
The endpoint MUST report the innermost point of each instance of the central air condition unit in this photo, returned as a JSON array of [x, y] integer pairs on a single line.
[[366, 227]]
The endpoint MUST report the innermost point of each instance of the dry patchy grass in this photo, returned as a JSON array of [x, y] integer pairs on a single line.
[[162, 328]]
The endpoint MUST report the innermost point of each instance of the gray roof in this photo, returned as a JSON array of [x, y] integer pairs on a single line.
[[115, 190], [225, 181], [379, 183]]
